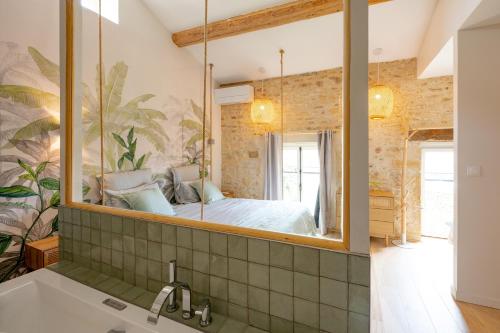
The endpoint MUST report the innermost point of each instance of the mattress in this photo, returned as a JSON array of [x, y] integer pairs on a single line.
[[280, 216]]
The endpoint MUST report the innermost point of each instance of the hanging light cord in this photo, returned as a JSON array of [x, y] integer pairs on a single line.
[[211, 140], [204, 125], [282, 53]]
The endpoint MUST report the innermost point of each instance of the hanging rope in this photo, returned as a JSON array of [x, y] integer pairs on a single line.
[[101, 115], [204, 124]]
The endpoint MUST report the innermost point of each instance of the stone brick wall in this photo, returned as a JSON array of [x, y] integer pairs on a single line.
[[312, 102]]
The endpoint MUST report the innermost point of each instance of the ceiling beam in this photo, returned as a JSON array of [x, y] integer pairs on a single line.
[[431, 134], [262, 19]]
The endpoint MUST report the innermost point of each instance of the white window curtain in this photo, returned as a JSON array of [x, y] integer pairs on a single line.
[[273, 178], [327, 186]]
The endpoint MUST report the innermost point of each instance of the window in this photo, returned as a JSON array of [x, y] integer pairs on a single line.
[[109, 8], [301, 172]]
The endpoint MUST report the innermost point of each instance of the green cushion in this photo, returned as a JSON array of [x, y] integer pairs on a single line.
[[212, 192], [149, 200]]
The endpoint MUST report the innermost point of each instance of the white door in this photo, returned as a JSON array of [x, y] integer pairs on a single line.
[[437, 191]]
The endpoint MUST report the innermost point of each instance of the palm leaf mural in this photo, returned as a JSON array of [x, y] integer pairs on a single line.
[[29, 96], [194, 128], [47, 67]]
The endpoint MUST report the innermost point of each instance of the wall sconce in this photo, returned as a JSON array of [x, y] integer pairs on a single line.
[[380, 97]]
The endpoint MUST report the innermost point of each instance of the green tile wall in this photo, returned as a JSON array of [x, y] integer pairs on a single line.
[[269, 285]]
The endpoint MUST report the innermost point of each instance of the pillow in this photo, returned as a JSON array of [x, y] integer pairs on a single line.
[[168, 187], [186, 173], [149, 199], [115, 199], [185, 193], [117, 181], [212, 192]]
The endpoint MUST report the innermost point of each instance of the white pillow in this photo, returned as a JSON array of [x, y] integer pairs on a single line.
[[117, 181], [114, 197], [186, 173]]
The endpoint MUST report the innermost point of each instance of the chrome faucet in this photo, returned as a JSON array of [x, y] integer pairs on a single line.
[[168, 294]]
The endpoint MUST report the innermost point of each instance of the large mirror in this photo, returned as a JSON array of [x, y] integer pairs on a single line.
[[180, 112]]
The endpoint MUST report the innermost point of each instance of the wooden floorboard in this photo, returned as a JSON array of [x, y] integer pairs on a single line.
[[411, 292]]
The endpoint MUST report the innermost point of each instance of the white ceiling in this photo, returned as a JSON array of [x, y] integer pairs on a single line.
[[398, 27]]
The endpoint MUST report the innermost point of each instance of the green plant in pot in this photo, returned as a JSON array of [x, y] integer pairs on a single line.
[[46, 191], [129, 144]]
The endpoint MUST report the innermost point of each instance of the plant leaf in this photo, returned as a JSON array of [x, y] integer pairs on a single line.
[[31, 97], [50, 183], [26, 167], [113, 88], [191, 124], [55, 200], [47, 67], [28, 177], [37, 127], [132, 148], [41, 167], [140, 162], [16, 205], [128, 156], [120, 162], [130, 136], [120, 140], [17, 191], [5, 241], [55, 223]]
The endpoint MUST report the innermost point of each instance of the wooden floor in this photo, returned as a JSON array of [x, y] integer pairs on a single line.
[[411, 292]]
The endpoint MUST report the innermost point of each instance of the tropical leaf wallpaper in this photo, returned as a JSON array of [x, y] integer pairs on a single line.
[[165, 136]]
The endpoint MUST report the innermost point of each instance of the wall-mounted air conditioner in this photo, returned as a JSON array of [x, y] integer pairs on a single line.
[[234, 95]]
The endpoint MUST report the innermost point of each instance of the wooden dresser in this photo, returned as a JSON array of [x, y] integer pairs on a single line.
[[382, 215]]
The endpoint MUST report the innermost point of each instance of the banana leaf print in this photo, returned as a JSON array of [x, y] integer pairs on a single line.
[[194, 127]]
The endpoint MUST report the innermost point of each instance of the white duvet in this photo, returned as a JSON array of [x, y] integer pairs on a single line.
[[281, 216]]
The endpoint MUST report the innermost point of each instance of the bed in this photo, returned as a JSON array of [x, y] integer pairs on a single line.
[[280, 216]]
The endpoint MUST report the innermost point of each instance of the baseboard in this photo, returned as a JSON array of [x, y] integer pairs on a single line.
[[478, 300]]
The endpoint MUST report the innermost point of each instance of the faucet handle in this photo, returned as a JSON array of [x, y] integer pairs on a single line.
[[204, 310]]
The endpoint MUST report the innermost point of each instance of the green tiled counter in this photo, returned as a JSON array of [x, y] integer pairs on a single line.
[[268, 285]]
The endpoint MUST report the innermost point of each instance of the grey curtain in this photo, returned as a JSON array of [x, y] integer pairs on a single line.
[[273, 182], [327, 186]]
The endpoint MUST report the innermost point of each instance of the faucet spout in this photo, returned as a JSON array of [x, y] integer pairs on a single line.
[[164, 295]]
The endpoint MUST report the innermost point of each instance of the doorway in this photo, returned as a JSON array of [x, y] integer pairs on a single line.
[[437, 190]]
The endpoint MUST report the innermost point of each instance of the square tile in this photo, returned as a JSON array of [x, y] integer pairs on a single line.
[[281, 280], [306, 286], [75, 217], [141, 266], [116, 224], [218, 287], [332, 320], [281, 306], [95, 221], [300, 328], [279, 325], [117, 259], [168, 252], [218, 266], [201, 262], [67, 230], [154, 231], [201, 283], [154, 270], [184, 237], [359, 270], [129, 262], [129, 244], [359, 299], [77, 232], [237, 247], [238, 270], [169, 234], [105, 222], [258, 275], [185, 258], [129, 277], [358, 323], [154, 250], [117, 242], [128, 226], [141, 281], [201, 240], [141, 248], [86, 234], [258, 299], [154, 286], [258, 251], [281, 255], [306, 312], [258, 320], [333, 292], [218, 244], [140, 229], [106, 239], [95, 253], [219, 307], [232, 326], [106, 256], [238, 293], [85, 217], [333, 265], [237, 312], [185, 275], [306, 260]]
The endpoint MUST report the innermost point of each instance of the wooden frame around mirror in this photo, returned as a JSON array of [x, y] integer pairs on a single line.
[[67, 122]]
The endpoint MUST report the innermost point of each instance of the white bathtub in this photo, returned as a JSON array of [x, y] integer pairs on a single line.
[[47, 302]]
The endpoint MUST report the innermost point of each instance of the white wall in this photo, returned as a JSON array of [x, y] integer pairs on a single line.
[[477, 123]]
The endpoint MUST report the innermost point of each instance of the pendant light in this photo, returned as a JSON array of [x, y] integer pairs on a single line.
[[380, 97], [262, 111]]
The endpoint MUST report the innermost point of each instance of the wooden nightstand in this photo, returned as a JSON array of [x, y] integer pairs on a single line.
[[382, 215], [42, 253]]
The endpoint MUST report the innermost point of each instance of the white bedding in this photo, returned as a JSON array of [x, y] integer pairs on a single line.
[[281, 216]]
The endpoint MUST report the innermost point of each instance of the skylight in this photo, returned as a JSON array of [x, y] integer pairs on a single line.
[[109, 8]]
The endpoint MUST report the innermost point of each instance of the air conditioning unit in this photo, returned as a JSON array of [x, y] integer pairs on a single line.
[[234, 95]]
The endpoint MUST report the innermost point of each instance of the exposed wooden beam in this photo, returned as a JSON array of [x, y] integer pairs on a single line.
[[431, 134], [262, 19]]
